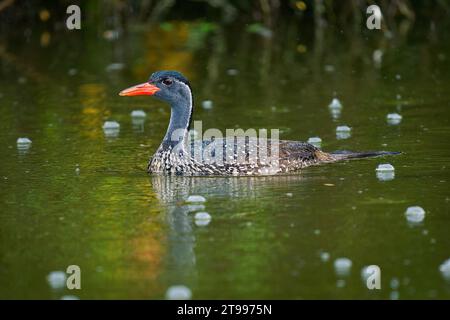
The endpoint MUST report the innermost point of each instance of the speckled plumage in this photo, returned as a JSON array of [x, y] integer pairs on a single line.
[[293, 155]]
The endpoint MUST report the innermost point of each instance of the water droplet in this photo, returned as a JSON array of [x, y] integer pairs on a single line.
[[385, 167], [395, 283], [324, 256], [377, 57], [394, 118], [138, 114], [315, 141], [111, 129], [111, 125], [444, 268], [202, 219], [207, 104], [365, 273], [179, 292], [385, 172], [115, 67], [23, 145], [415, 214], [195, 198], [343, 129], [57, 279], [343, 132], [335, 104], [342, 266]]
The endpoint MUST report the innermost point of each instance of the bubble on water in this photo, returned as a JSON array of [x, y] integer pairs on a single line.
[[232, 72], [398, 77], [385, 172], [394, 295], [385, 167], [335, 104], [138, 114], [111, 125], [115, 67], [377, 57], [415, 214], [315, 141], [111, 129], [57, 279], [289, 194], [69, 297], [385, 175], [394, 118], [195, 198], [343, 128], [202, 219], [395, 283], [444, 268], [365, 273], [23, 142], [324, 256], [207, 104], [342, 266], [23, 145], [178, 292], [343, 132]]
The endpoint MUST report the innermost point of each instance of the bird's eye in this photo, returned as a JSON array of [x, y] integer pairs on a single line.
[[167, 82]]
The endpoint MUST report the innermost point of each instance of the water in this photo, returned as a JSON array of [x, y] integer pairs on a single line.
[[315, 141], [134, 236], [343, 266], [415, 214]]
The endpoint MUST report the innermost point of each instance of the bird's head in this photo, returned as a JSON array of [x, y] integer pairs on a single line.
[[169, 86]]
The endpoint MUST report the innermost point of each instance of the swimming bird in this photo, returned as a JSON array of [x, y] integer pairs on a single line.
[[240, 155]]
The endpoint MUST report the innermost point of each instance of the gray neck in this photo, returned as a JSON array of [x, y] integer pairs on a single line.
[[180, 118]]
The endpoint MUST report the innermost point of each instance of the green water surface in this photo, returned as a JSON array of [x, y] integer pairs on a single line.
[[79, 197]]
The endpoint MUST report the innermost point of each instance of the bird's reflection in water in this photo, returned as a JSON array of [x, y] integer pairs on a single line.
[[172, 191]]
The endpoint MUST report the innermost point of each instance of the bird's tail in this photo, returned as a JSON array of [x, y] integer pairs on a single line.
[[343, 155]]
